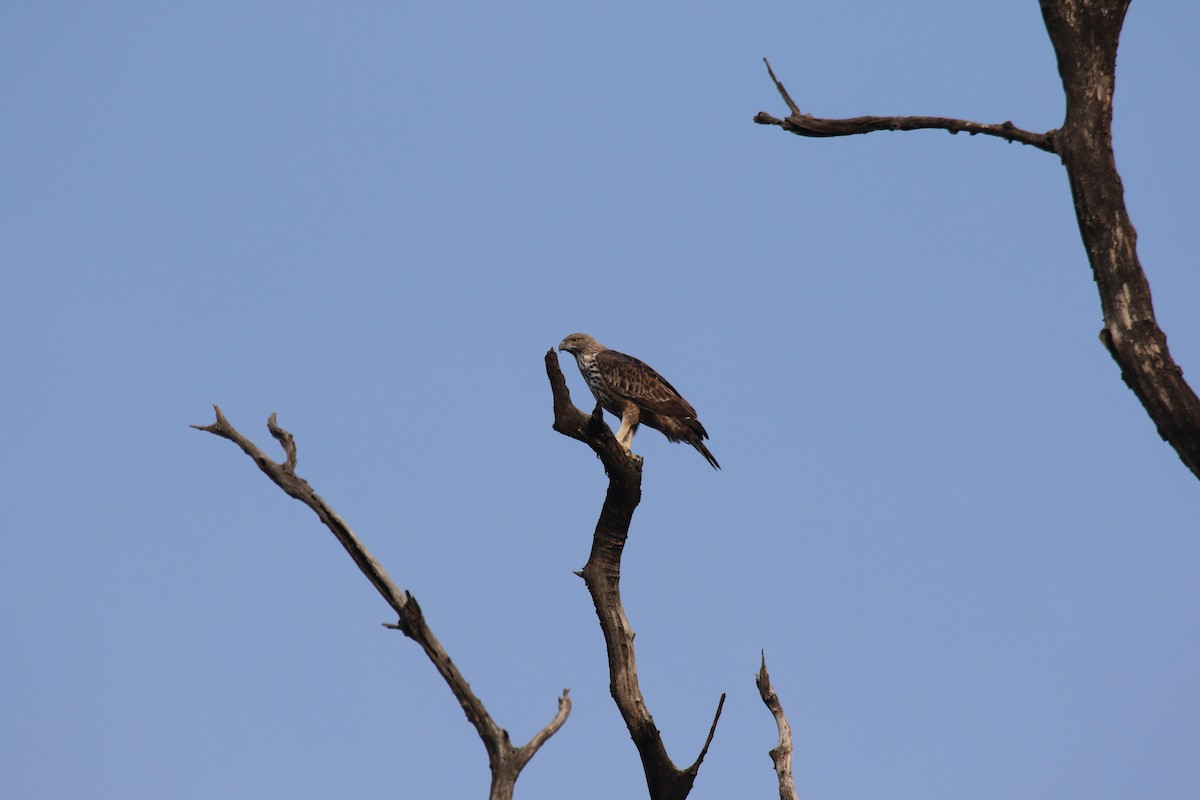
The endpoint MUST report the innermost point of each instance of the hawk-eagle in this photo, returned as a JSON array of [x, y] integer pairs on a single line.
[[637, 394]]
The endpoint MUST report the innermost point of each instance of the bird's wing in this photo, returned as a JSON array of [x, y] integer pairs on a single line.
[[639, 383]]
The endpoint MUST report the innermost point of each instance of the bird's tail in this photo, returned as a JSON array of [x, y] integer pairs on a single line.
[[700, 448]]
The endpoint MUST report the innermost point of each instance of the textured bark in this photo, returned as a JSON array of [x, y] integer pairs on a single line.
[[1085, 35], [602, 574], [504, 760], [781, 754]]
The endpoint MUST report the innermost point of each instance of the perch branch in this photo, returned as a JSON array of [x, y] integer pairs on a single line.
[[807, 125], [781, 754], [602, 574], [504, 760]]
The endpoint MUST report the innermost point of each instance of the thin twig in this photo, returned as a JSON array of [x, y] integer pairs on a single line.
[[695, 767], [787, 98]]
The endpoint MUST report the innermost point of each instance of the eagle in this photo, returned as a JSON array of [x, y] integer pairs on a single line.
[[631, 390]]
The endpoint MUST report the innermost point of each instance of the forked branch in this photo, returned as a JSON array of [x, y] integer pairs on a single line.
[[504, 760], [602, 574], [803, 124]]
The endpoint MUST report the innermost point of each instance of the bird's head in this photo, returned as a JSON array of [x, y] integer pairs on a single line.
[[580, 343]]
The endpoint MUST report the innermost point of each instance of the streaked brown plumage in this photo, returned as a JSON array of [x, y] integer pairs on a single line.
[[637, 394]]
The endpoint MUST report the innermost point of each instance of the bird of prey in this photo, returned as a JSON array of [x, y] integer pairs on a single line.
[[637, 394]]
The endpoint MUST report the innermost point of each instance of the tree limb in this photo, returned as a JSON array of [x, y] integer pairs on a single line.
[[1085, 35], [807, 125], [602, 574], [781, 755], [504, 760]]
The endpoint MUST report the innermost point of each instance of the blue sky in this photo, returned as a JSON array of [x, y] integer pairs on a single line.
[[968, 556]]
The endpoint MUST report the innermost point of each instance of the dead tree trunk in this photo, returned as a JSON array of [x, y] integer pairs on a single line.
[[1085, 34], [602, 574], [1085, 37]]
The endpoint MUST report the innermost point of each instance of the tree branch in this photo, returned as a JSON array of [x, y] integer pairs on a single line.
[[1085, 35], [602, 574], [781, 755], [504, 760], [808, 125], [712, 729]]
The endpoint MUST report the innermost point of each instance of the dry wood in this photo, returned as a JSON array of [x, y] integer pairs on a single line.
[[803, 124], [602, 574], [1085, 34], [1085, 37], [781, 754], [504, 760]]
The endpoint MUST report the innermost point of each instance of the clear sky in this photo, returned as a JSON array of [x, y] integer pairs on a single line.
[[970, 559]]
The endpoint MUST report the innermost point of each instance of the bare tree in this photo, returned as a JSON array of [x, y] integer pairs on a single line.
[[602, 574], [1085, 34], [504, 760]]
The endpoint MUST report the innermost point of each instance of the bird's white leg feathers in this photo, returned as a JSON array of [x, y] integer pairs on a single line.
[[629, 426]]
